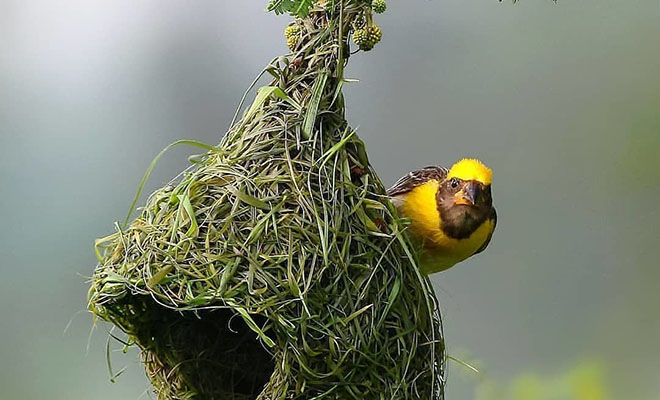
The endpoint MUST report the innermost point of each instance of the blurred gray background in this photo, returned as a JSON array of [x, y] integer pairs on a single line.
[[561, 100]]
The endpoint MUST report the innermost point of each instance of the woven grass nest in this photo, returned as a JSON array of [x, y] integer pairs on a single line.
[[276, 267]]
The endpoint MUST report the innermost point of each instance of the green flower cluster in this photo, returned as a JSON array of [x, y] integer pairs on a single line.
[[379, 6], [366, 38], [292, 35]]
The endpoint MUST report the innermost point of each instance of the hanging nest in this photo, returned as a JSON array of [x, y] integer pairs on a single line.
[[276, 267]]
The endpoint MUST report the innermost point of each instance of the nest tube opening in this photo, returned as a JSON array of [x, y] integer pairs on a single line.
[[276, 267], [212, 353]]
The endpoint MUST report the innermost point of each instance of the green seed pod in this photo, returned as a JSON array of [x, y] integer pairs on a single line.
[[292, 42], [292, 31], [292, 34], [379, 6], [361, 37], [374, 34]]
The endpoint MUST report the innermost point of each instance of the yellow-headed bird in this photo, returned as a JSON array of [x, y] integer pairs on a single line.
[[451, 211]]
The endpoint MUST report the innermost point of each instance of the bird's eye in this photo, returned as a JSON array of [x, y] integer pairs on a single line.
[[453, 183]]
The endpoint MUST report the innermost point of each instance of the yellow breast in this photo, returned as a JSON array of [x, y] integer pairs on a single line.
[[439, 251]]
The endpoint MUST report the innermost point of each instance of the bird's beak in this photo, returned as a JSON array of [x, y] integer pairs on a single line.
[[469, 194]]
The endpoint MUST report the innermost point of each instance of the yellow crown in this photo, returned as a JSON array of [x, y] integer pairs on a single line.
[[469, 169]]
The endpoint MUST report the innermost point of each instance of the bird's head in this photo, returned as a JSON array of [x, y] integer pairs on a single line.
[[468, 184]]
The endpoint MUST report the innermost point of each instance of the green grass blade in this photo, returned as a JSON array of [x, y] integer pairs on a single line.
[[143, 182], [253, 325], [313, 107]]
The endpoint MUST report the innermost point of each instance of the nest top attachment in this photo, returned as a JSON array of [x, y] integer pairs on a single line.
[[276, 267]]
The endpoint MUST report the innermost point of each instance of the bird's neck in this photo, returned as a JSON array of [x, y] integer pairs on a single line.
[[460, 221]]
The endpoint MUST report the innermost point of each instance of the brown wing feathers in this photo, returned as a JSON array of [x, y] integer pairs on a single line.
[[416, 178]]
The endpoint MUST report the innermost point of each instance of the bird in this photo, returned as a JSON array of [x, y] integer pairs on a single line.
[[450, 211]]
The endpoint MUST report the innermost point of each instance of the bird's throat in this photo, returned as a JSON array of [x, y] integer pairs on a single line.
[[461, 221]]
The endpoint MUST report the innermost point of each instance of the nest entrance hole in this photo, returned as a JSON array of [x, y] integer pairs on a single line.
[[211, 353]]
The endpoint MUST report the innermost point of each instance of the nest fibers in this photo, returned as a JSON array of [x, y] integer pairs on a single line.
[[276, 267]]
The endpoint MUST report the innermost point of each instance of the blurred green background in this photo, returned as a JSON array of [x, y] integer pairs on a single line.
[[561, 100]]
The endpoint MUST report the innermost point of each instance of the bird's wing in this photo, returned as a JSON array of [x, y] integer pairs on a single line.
[[493, 217], [416, 178]]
